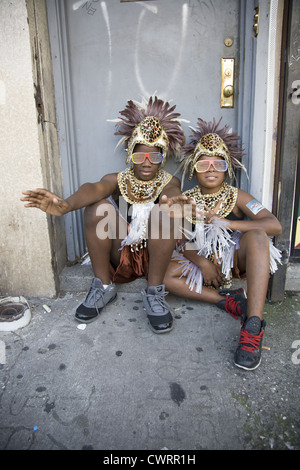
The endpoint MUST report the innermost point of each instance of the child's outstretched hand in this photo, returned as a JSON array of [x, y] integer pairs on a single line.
[[179, 206], [45, 201]]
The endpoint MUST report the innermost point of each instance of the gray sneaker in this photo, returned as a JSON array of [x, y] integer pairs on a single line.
[[95, 300], [158, 310]]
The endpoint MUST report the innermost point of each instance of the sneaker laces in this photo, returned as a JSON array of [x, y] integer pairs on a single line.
[[94, 294], [233, 307], [158, 299], [250, 342]]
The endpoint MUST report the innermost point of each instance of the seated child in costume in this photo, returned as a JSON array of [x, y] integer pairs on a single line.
[[120, 207], [233, 235]]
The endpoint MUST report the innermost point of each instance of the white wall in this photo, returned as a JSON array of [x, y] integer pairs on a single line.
[[25, 251]]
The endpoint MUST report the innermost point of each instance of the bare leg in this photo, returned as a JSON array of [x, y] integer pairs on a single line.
[[254, 259], [102, 225], [177, 285], [161, 243], [162, 233], [233, 303], [102, 229], [160, 252]]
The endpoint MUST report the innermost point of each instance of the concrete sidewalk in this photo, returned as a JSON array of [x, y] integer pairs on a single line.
[[117, 386]]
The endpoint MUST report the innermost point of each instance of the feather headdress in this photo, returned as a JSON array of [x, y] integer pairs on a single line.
[[208, 139], [153, 123]]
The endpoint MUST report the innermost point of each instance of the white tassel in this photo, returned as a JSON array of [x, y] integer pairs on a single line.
[[213, 239], [217, 239], [138, 224], [275, 257], [190, 271]]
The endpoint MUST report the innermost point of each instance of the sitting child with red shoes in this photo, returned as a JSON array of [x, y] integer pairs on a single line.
[[232, 236]]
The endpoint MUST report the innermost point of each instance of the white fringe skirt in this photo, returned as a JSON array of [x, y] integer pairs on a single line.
[[215, 242]]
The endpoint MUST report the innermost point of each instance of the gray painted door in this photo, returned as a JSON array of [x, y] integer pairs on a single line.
[[106, 52]]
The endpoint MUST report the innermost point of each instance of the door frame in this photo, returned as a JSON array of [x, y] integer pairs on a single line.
[[287, 145]]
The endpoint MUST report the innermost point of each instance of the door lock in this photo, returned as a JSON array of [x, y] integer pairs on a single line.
[[227, 83], [228, 91]]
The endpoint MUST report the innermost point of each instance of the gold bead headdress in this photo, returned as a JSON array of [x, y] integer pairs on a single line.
[[151, 123], [207, 139]]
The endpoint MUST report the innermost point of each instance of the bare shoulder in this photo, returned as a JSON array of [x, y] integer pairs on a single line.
[[243, 197], [111, 178], [108, 184]]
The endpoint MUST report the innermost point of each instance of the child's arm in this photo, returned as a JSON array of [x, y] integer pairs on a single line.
[[87, 194], [260, 217]]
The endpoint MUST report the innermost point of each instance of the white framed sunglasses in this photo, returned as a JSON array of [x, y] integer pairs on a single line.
[[201, 166]]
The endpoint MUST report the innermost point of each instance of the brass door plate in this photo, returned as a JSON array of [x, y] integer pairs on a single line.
[[227, 83], [256, 21]]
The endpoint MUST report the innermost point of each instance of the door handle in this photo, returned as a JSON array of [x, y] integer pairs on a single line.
[[227, 83]]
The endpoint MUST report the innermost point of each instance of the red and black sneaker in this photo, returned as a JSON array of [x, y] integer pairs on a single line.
[[248, 353], [235, 303]]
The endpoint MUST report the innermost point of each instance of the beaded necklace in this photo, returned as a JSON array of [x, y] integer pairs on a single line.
[[137, 191], [227, 194]]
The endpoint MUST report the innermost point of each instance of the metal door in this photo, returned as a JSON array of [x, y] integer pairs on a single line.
[[106, 52]]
